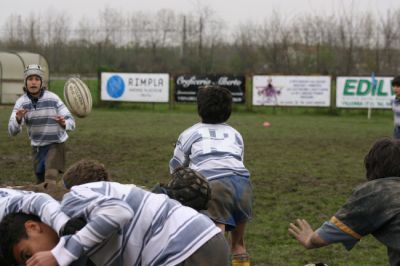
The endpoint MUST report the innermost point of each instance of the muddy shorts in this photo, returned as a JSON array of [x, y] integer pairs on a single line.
[[231, 201], [48, 157], [214, 252]]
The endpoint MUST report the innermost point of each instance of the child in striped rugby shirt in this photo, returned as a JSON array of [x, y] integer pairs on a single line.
[[47, 120], [396, 106], [126, 225], [38, 206], [216, 150]]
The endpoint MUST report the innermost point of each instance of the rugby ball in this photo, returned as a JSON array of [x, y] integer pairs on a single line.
[[77, 97]]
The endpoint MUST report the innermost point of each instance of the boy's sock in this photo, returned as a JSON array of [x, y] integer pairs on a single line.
[[240, 260]]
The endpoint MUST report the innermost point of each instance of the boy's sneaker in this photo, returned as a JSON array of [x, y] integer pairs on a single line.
[[240, 260]]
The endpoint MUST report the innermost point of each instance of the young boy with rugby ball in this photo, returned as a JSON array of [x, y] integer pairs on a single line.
[[47, 120]]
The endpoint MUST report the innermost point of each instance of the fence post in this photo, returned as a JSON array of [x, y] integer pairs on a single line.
[[249, 92]]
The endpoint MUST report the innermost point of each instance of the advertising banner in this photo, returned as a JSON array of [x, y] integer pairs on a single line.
[[186, 86], [364, 92], [134, 87], [292, 90]]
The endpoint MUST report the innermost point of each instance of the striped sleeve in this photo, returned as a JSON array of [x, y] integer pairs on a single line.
[[40, 204], [105, 216], [182, 150], [180, 157], [13, 127], [335, 231], [63, 111]]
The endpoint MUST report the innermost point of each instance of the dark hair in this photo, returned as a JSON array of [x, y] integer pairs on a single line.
[[214, 104], [85, 171], [396, 81], [12, 230], [383, 159]]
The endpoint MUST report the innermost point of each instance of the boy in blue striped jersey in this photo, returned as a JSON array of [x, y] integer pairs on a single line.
[[186, 185], [13, 201], [41, 204], [215, 149], [396, 106], [126, 225], [39, 209], [47, 120]]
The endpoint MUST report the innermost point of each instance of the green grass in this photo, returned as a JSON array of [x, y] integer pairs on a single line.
[[304, 165]]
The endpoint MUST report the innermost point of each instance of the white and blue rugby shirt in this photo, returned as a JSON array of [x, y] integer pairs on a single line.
[[214, 150], [40, 204], [396, 111], [131, 226], [42, 128]]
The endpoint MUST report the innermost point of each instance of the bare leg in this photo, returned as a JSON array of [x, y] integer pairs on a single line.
[[237, 239], [221, 226]]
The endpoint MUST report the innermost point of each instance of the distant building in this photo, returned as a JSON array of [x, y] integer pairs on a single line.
[[12, 65]]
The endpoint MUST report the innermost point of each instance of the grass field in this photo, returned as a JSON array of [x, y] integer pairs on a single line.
[[303, 165]]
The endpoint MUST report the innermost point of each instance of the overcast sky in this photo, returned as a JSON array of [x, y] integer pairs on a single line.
[[231, 11]]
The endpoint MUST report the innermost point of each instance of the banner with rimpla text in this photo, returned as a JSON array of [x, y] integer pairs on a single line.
[[292, 90], [364, 92], [134, 87], [186, 86]]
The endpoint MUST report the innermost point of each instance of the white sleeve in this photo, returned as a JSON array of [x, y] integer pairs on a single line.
[[105, 215], [63, 111], [13, 127], [181, 155], [40, 204]]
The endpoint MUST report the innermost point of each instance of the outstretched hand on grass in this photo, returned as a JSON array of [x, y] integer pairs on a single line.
[[306, 236]]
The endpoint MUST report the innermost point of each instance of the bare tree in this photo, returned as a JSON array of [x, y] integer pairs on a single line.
[[56, 36], [56, 27], [346, 43], [390, 31], [245, 57], [86, 32], [273, 42], [137, 22], [112, 25], [346, 33], [33, 30], [167, 24], [14, 31]]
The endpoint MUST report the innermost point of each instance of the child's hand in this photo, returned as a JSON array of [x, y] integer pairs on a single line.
[[43, 258], [302, 231], [60, 120], [306, 236], [20, 114]]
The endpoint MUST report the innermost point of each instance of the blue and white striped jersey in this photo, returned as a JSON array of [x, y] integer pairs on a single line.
[[214, 150], [131, 226], [40, 204], [396, 111], [42, 128]]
